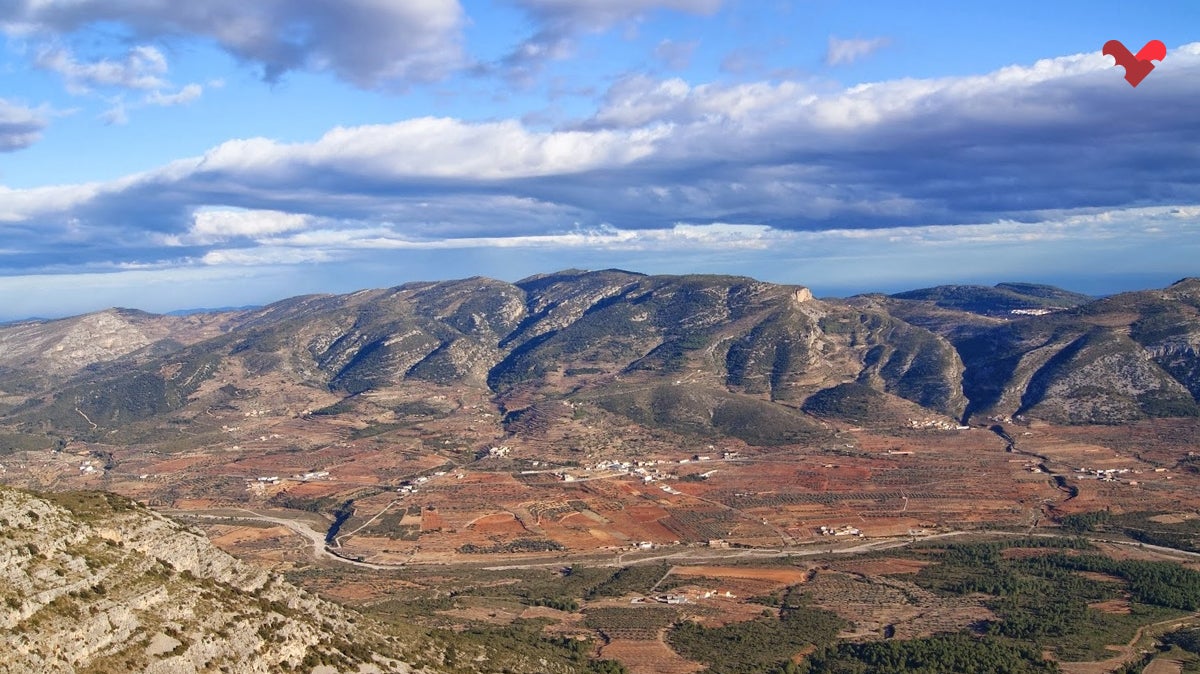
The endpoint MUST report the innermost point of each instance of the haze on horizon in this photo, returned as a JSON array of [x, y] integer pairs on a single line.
[[233, 154]]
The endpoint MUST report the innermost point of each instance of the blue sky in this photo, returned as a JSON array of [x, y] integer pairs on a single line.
[[163, 155]]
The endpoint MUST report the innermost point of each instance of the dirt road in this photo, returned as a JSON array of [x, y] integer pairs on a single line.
[[301, 527]]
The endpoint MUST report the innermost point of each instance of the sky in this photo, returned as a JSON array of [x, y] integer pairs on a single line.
[[164, 155]]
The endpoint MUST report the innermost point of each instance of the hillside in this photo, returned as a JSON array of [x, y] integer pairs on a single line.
[[94, 582]]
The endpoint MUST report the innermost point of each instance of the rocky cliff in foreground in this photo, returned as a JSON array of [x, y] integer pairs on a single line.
[[93, 582]]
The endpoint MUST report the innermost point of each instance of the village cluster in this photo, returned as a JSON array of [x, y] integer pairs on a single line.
[[648, 470], [1111, 474], [936, 424]]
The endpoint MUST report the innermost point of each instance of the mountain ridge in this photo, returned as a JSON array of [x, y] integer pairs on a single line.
[[960, 352]]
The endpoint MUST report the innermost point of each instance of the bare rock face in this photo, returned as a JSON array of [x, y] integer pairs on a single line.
[[68, 345], [92, 581]]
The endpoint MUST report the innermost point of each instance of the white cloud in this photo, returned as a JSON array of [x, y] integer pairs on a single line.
[[215, 225], [638, 100], [142, 68], [1081, 250], [845, 52], [263, 256], [719, 236], [20, 127], [434, 148], [22, 205], [367, 42], [185, 95], [1077, 227]]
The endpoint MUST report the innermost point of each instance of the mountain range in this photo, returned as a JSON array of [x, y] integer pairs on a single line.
[[705, 355]]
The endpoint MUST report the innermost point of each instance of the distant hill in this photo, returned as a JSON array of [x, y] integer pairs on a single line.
[[211, 310], [702, 356], [998, 300]]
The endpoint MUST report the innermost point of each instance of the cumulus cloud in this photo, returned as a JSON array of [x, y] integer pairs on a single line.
[[606, 237], [366, 42], [20, 127], [117, 113], [844, 52], [1064, 248]]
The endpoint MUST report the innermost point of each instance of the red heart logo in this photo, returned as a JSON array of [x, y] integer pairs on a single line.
[[1139, 65]]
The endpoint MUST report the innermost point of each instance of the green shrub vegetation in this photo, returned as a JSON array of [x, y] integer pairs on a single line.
[[1084, 522], [629, 579], [854, 401], [519, 545], [1044, 599], [763, 645], [949, 654], [1140, 526], [558, 603]]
